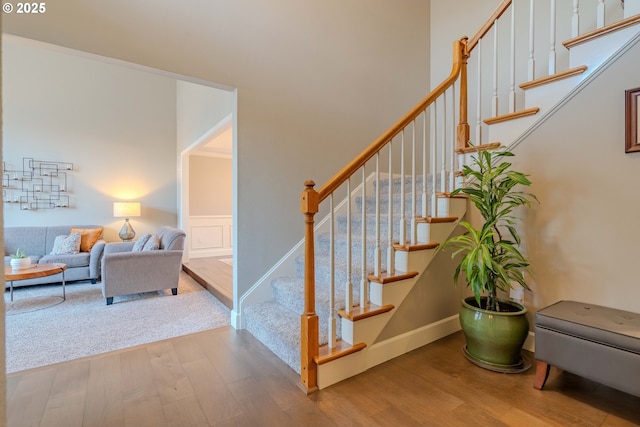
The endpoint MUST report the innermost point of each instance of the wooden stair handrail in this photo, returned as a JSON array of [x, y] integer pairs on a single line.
[[502, 8], [459, 58]]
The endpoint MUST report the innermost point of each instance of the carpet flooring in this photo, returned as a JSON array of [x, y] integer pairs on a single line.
[[42, 329]]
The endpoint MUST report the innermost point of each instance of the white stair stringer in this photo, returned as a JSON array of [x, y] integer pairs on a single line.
[[367, 330]]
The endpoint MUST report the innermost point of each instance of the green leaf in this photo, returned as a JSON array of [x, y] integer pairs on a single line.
[[489, 256]]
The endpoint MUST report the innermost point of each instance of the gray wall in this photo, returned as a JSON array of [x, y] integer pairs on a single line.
[[210, 185], [583, 237], [199, 108], [115, 124], [316, 83]]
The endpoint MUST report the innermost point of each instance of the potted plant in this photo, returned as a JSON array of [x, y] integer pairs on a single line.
[[20, 260], [495, 329]]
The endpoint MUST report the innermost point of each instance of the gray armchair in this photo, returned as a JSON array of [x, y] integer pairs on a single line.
[[125, 272]]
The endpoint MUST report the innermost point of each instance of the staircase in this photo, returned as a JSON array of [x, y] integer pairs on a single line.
[[275, 322], [330, 307]]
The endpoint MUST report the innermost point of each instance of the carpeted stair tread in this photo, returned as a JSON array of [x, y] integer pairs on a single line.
[[323, 270], [289, 292], [279, 329]]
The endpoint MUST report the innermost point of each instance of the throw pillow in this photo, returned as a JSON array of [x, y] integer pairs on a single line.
[[152, 244], [88, 237], [139, 244], [66, 245]]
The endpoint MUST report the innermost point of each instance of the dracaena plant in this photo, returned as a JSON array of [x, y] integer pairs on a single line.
[[491, 259]]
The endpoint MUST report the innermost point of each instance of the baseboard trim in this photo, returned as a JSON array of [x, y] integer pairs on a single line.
[[389, 349], [530, 343], [236, 320], [401, 344], [206, 253]]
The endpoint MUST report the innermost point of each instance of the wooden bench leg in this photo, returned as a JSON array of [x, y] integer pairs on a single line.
[[542, 373]]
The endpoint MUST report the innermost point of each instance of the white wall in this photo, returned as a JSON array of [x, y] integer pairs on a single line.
[[316, 83], [116, 125]]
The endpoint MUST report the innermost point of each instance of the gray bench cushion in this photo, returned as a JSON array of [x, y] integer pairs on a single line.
[[608, 326]]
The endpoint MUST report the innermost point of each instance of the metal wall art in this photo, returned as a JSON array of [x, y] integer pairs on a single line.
[[41, 184]]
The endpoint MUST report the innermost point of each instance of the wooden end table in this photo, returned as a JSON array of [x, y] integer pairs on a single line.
[[32, 272]]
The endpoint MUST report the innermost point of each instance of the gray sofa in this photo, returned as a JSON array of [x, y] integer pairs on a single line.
[[37, 242], [125, 272]]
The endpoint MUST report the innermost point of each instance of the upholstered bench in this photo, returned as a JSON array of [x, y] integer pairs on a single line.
[[599, 343]]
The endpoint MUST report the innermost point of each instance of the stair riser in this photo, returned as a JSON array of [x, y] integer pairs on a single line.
[[413, 260], [365, 330]]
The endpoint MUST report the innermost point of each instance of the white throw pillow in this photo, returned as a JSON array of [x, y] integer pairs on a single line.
[[153, 243], [139, 244], [66, 245]]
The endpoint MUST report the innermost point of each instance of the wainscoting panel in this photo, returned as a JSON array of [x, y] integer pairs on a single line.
[[210, 236]]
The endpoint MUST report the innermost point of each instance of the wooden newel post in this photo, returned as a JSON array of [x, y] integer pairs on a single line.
[[309, 202], [463, 126]]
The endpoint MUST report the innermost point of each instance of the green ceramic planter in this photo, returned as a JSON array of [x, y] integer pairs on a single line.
[[495, 339]]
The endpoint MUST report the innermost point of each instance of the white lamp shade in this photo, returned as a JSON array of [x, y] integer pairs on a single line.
[[126, 209]]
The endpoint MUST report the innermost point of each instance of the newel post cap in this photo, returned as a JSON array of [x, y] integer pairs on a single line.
[[309, 198]]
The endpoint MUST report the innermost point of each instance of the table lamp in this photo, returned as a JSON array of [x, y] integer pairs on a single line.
[[126, 210]]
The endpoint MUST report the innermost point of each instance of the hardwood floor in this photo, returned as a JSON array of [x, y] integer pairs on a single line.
[[225, 377], [214, 275]]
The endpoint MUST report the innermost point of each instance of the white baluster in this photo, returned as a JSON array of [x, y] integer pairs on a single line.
[[403, 209], [414, 223], [600, 14], [348, 300], [364, 283], [332, 284], [479, 100], [512, 92], [433, 154], [434, 167], [531, 69], [443, 160], [377, 267], [452, 145], [425, 200], [575, 19], [494, 102], [552, 30], [391, 266]]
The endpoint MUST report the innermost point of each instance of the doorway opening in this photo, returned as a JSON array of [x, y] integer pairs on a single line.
[[207, 209]]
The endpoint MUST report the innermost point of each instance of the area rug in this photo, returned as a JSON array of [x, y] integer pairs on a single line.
[[41, 329]]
